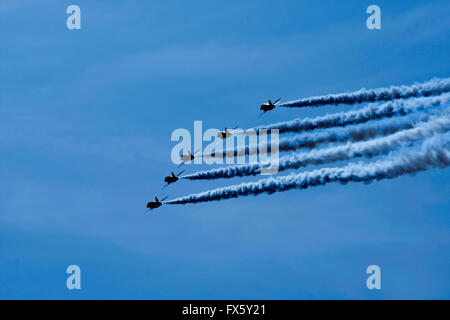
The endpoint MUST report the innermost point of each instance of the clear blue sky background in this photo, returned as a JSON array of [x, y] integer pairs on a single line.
[[85, 124]]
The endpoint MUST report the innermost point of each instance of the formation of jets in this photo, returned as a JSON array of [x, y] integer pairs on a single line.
[[172, 178]]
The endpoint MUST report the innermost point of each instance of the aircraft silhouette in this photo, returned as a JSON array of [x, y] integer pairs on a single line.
[[172, 178], [154, 204], [225, 134], [188, 157], [269, 106]]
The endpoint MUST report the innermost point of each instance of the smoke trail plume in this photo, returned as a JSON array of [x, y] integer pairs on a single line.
[[350, 133], [433, 152], [368, 149], [433, 87], [342, 119]]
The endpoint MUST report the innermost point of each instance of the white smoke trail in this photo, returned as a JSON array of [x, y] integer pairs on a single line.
[[433, 87], [370, 112], [433, 152], [310, 140], [349, 151]]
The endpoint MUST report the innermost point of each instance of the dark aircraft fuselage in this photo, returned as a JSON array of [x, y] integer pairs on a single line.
[[224, 134], [170, 179], [154, 204], [187, 157], [267, 107]]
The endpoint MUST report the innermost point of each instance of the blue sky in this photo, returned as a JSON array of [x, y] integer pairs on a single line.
[[85, 123]]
